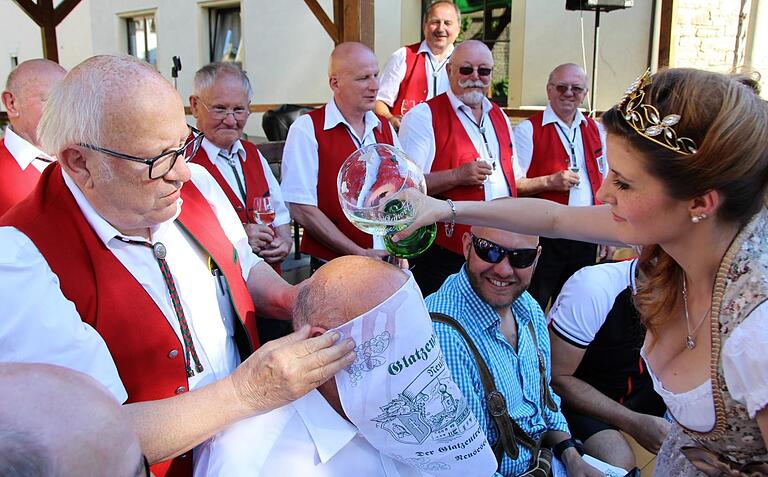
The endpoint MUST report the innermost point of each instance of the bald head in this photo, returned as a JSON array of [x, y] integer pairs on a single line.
[[472, 49], [105, 99], [345, 288], [353, 77], [26, 90], [68, 422], [567, 68], [566, 90]]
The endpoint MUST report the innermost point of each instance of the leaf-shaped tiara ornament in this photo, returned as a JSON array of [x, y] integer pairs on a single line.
[[646, 120]]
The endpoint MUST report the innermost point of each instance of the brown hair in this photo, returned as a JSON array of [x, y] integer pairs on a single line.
[[728, 122]]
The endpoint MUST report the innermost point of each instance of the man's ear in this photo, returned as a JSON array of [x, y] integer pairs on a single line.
[[333, 82], [317, 331], [466, 242], [9, 101], [74, 163], [193, 105]]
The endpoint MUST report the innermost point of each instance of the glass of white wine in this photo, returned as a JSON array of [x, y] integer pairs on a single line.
[[368, 183], [263, 213]]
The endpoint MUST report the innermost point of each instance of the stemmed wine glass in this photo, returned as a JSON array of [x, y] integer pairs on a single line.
[[372, 183], [263, 213]]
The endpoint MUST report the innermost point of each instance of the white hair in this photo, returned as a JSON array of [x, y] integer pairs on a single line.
[[206, 76], [75, 110]]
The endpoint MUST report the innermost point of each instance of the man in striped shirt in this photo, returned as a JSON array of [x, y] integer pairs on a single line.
[[488, 298]]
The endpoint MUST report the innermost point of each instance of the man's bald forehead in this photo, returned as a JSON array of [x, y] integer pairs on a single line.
[[567, 68], [345, 53], [469, 47], [498, 234]]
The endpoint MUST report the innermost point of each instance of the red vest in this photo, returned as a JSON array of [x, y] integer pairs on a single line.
[[333, 148], [549, 156], [453, 147], [113, 302], [414, 84], [256, 184], [15, 184]]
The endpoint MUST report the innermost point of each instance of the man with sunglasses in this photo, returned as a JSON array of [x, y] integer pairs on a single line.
[[463, 142], [130, 265], [417, 72], [560, 157], [488, 300], [220, 104]]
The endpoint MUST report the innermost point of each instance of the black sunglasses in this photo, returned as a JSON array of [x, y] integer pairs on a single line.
[[493, 253], [563, 88], [161, 164], [481, 70]]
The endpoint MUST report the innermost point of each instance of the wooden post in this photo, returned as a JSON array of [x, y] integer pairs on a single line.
[[353, 20], [47, 18], [665, 32]]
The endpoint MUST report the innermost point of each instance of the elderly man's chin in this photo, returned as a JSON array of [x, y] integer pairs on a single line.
[[472, 98]]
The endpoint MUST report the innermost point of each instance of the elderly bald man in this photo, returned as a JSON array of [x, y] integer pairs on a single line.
[[463, 142], [561, 157], [317, 145], [21, 159], [313, 436], [56, 421], [138, 272]]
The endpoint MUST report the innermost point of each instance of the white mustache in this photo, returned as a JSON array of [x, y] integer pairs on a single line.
[[473, 84]]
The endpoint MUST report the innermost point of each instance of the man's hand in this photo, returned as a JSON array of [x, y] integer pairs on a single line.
[[472, 173], [576, 466], [562, 181], [395, 121], [373, 253], [649, 431], [276, 251], [285, 369], [259, 236]]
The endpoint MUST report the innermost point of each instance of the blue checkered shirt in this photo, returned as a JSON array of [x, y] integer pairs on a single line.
[[516, 373]]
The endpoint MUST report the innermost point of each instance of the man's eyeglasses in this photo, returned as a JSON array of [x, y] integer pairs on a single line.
[[481, 70], [493, 253], [220, 113], [563, 88], [162, 164]]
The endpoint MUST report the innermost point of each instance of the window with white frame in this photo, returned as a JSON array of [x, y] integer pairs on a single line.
[[142, 37], [224, 30]]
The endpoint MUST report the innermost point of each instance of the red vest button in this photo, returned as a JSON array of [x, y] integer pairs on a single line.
[[180, 389], [173, 353]]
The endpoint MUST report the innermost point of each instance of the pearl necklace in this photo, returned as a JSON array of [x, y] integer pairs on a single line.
[[690, 338]]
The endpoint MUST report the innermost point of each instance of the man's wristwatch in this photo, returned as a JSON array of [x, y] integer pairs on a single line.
[[566, 444]]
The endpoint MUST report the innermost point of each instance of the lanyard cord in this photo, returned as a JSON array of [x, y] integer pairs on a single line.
[[571, 142], [436, 72], [481, 129]]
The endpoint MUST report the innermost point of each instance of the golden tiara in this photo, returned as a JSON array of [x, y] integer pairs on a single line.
[[646, 120]]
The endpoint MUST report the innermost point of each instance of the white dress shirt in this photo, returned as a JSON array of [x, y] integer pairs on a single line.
[[394, 71], [304, 438], [300, 160], [41, 325], [418, 138], [24, 152], [282, 216], [582, 194]]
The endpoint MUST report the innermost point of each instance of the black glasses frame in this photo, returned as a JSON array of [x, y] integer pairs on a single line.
[[481, 70], [147, 472], [491, 252], [221, 115], [195, 142]]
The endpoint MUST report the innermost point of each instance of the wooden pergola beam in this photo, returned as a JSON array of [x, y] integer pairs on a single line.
[[665, 32], [48, 18], [353, 20]]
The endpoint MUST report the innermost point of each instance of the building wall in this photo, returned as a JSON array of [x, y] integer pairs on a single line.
[[704, 34]]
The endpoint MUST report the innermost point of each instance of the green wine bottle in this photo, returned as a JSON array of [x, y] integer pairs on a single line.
[[414, 244]]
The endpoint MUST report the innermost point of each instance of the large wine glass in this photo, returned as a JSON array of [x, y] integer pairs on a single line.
[[372, 183]]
